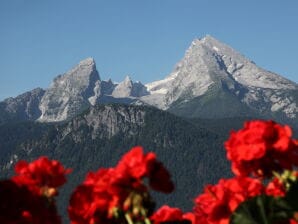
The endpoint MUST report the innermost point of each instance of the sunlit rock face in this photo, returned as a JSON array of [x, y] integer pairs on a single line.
[[128, 88], [22, 107], [209, 64], [71, 92]]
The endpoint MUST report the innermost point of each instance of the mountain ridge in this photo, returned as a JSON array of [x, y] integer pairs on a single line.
[[208, 66]]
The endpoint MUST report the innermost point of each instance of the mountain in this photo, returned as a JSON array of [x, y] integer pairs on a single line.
[[128, 88], [22, 107], [71, 92], [100, 135], [211, 81], [215, 81]]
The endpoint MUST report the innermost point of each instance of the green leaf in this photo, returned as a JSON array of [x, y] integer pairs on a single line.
[[292, 196], [262, 210]]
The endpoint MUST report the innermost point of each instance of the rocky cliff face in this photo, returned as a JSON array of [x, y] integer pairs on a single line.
[[107, 121], [23, 107], [71, 92], [81, 87], [128, 88]]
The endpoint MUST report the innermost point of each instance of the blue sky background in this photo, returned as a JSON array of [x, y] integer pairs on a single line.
[[40, 39]]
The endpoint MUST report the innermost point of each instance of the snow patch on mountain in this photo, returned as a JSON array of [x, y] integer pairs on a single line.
[[161, 86]]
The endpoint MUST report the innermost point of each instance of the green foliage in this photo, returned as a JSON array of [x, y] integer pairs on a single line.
[[262, 210], [292, 196], [267, 209]]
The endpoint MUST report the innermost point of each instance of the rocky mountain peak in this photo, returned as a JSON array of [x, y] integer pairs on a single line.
[[22, 107], [206, 40], [127, 80], [83, 71], [128, 88], [71, 92], [123, 89], [241, 69], [210, 64], [87, 62]]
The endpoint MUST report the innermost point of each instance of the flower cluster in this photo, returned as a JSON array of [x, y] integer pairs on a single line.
[[42, 176], [218, 202], [108, 193], [260, 148], [28, 197]]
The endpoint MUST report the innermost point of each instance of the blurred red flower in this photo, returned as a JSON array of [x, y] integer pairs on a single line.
[[42, 175], [218, 201], [275, 188], [260, 148], [18, 205], [167, 214], [120, 188]]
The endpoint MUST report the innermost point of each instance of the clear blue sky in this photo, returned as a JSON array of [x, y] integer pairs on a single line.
[[40, 39]]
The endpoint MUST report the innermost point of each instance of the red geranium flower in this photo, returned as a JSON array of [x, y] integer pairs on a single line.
[[275, 188], [167, 214], [88, 207], [121, 188], [138, 165], [41, 175], [135, 162], [218, 202], [260, 148]]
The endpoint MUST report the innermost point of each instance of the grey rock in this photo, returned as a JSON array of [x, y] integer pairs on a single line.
[[22, 107], [71, 93], [107, 87], [128, 88], [107, 121]]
